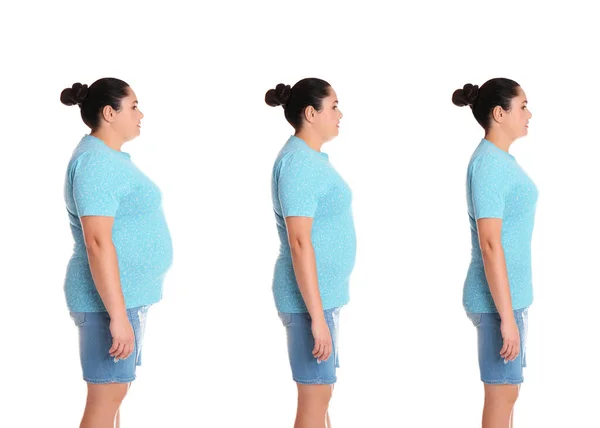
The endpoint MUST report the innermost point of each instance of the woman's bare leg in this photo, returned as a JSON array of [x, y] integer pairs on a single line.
[[102, 405], [498, 405], [313, 401]]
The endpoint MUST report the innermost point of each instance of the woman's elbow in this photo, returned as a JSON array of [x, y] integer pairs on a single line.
[[490, 246], [97, 244], [299, 244]]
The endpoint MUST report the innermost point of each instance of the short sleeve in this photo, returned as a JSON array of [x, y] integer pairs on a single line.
[[488, 184], [300, 186], [98, 185]]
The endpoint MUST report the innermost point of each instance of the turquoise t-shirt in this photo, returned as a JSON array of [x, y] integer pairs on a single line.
[[101, 181], [497, 187], [305, 184]]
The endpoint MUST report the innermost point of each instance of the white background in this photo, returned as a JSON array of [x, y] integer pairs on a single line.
[[215, 353]]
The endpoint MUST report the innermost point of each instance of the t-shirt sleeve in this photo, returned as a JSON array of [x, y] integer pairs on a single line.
[[97, 185], [488, 184], [300, 186]]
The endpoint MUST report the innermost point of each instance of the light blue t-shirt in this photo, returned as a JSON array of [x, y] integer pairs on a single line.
[[497, 187], [305, 184], [101, 181]]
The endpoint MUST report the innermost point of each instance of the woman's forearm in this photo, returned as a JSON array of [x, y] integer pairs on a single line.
[[497, 277], [104, 266], [305, 268]]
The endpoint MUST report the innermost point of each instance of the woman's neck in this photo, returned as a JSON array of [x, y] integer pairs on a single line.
[[109, 138], [311, 139], [499, 139]]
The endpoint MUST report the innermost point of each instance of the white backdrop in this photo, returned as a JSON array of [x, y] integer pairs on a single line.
[[215, 353]]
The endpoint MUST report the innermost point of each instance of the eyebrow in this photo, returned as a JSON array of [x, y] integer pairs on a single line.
[[336, 102], [525, 102], [135, 102]]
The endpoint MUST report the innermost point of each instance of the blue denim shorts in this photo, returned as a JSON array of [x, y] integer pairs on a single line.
[[300, 343], [492, 367], [95, 341]]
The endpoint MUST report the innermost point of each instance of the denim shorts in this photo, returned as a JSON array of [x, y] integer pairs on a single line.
[[492, 367], [300, 343], [95, 341]]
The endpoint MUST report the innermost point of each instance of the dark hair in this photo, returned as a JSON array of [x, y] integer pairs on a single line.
[[494, 92], [107, 91], [307, 92]]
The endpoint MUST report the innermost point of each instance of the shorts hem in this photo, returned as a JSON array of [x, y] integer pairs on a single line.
[[503, 381], [316, 381], [104, 381]]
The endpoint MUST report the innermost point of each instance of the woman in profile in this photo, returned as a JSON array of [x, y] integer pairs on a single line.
[[122, 246], [501, 201], [313, 213]]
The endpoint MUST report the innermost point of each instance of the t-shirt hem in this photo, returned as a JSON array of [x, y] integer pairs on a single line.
[[298, 214], [489, 215], [303, 310], [97, 214], [488, 310], [128, 305]]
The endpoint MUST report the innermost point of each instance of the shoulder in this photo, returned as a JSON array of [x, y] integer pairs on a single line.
[[487, 161], [295, 160], [92, 164], [95, 155]]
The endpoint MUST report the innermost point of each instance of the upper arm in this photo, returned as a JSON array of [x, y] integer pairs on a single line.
[[299, 186], [490, 232], [98, 186], [97, 230], [299, 229], [488, 188]]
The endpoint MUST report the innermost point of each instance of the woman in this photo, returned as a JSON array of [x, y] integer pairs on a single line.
[[122, 246], [501, 202], [312, 205]]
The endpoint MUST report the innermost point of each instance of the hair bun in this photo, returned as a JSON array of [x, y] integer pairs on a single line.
[[74, 95], [465, 96], [278, 96]]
